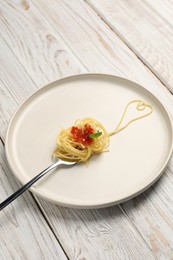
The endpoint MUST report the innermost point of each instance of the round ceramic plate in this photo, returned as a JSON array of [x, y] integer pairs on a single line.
[[136, 158]]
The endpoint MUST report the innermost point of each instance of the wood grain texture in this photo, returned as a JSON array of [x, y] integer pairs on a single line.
[[164, 10], [143, 30], [154, 211], [35, 43], [15, 86], [102, 233], [106, 52], [24, 233], [92, 46]]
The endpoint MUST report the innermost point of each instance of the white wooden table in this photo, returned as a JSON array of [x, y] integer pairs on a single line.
[[42, 41]]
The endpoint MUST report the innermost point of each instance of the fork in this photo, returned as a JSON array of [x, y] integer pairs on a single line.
[[32, 181]]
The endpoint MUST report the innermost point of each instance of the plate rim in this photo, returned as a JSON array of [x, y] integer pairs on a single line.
[[102, 204]]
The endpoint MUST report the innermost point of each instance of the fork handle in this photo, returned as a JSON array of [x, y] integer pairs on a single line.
[[28, 185]]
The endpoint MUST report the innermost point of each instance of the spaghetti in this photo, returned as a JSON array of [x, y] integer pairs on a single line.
[[88, 136]]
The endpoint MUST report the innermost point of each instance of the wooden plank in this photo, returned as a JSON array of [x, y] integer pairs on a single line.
[[101, 234], [143, 30], [35, 43], [98, 46], [79, 244], [24, 231], [164, 10], [153, 210], [16, 86]]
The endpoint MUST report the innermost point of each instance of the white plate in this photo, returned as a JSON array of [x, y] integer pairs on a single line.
[[137, 157]]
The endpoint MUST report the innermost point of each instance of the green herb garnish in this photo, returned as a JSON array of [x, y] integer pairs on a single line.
[[95, 135]]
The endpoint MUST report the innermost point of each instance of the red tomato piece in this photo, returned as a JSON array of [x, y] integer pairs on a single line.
[[81, 135]]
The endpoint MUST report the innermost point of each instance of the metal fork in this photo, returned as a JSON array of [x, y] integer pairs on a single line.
[[32, 181]]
